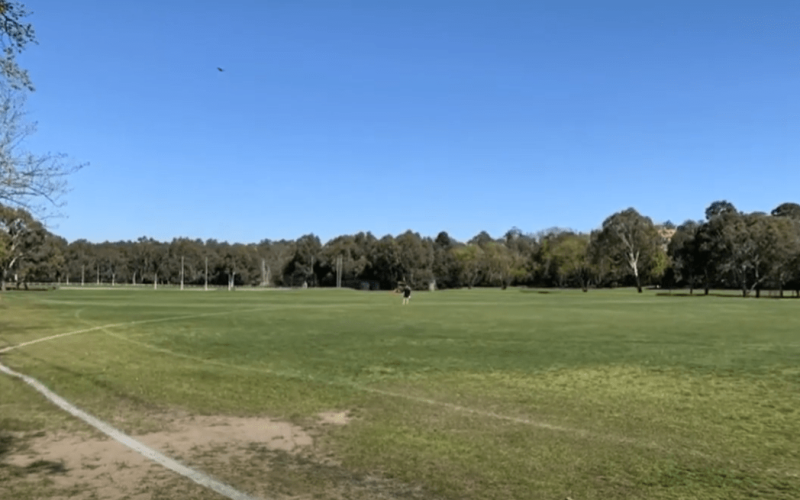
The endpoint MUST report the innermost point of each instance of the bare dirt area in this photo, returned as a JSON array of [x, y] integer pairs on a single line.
[[261, 457], [334, 417], [86, 466]]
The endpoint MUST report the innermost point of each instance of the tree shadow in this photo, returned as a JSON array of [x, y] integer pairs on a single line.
[[6, 443], [723, 295], [46, 467]]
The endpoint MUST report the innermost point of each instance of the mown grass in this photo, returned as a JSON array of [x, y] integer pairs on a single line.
[[466, 394]]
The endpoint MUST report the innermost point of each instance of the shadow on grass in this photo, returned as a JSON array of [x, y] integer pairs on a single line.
[[723, 295], [8, 443], [46, 467]]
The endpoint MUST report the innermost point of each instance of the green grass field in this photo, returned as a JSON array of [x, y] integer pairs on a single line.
[[469, 394]]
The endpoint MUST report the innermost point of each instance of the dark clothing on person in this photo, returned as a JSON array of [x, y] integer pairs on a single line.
[[406, 292]]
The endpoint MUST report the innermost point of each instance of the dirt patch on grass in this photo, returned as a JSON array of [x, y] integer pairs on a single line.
[[85, 466], [197, 433], [334, 418], [259, 456]]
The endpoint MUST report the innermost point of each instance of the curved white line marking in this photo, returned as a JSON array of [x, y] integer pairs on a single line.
[[9, 348], [114, 325], [196, 476]]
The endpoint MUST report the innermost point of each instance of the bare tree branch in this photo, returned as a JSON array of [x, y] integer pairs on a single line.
[[27, 180]]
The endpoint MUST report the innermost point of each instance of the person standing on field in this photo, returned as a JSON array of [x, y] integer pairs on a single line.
[[406, 294]]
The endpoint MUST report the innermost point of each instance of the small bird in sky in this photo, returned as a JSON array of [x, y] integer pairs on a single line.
[[220, 69]]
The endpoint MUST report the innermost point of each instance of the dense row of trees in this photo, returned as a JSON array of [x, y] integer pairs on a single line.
[[728, 249]]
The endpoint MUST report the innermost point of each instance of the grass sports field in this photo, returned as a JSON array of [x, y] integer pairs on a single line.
[[469, 394]]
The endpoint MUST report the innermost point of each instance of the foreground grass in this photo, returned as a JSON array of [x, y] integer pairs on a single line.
[[470, 394]]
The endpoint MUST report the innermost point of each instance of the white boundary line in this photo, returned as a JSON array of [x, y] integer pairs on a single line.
[[9, 348], [119, 436], [113, 325]]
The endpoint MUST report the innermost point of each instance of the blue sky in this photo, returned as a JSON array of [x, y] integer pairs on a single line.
[[339, 116]]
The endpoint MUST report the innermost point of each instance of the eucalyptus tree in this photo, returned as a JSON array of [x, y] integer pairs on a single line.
[[147, 261], [445, 265], [301, 267], [784, 254], [502, 265], [157, 261], [415, 256], [713, 246], [20, 235], [275, 256], [111, 262], [629, 239], [386, 265], [742, 247], [786, 269], [81, 256], [45, 262], [236, 261], [523, 246], [341, 260], [471, 263], [683, 250], [185, 261], [571, 257]]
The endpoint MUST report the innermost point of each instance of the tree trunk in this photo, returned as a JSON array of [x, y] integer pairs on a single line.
[[155, 281], [634, 263]]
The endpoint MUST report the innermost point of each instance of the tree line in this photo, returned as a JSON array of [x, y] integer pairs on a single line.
[[728, 249]]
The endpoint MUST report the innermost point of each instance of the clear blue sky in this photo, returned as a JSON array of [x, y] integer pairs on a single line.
[[339, 116]]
